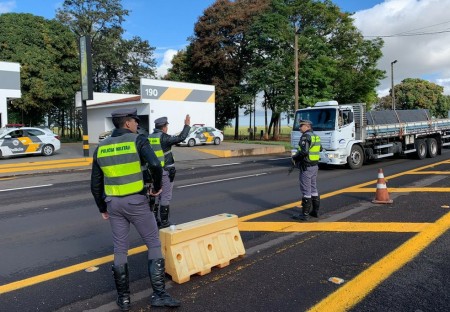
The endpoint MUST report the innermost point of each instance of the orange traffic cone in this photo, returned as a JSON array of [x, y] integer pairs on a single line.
[[382, 195]]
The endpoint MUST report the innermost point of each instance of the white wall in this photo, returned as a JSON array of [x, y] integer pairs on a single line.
[[175, 100], [100, 97], [176, 112], [99, 118], [8, 88]]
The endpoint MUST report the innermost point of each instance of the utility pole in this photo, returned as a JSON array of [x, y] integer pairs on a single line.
[[296, 68], [392, 84]]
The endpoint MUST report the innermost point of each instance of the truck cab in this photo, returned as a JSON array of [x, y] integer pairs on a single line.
[[335, 124]]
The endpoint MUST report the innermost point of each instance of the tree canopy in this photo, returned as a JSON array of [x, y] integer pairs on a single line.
[[47, 53], [246, 47], [117, 63], [414, 93]]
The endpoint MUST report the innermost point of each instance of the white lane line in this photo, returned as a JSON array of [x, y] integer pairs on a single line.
[[280, 158], [25, 187], [222, 180], [221, 165]]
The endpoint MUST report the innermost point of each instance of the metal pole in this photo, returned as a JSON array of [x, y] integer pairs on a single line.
[[392, 84], [296, 68]]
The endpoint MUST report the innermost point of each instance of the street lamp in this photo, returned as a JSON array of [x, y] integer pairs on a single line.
[[392, 84]]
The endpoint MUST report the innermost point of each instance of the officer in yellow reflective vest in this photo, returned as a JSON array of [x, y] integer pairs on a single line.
[[307, 159], [118, 187], [162, 143]]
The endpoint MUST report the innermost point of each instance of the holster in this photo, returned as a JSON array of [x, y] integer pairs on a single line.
[[172, 171]]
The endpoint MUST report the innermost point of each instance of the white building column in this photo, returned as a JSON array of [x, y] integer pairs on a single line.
[[9, 87]]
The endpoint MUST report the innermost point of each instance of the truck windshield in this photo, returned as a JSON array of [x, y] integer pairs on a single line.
[[322, 119]]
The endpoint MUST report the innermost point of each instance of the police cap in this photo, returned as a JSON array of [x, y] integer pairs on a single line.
[[305, 122], [125, 112], [161, 121]]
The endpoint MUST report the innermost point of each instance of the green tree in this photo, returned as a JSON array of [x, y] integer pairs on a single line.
[[218, 54], [414, 93], [246, 47], [117, 63], [271, 62], [47, 53], [180, 70], [337, 63]]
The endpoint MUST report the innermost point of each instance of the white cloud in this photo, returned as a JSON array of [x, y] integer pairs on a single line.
[[162, 69], [7, 6], [424, 56]]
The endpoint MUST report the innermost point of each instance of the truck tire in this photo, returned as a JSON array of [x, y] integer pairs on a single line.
[[421, 149], [432, 147], [356, 158]]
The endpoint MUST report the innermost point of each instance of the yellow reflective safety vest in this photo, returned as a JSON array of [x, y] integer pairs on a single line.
[[155, 142], [314, 149], [121, 165]]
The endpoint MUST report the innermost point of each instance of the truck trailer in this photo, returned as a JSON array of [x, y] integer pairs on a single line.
[[352, 136]]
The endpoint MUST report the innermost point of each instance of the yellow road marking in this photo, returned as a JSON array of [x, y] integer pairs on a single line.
[[430, 172], [64, 271], [39, 163], [76, 162], [397, 227], [401, 189], [359, 287]]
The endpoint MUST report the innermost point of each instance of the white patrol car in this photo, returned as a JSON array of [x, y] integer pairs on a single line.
[[202, 135], [28, 140]]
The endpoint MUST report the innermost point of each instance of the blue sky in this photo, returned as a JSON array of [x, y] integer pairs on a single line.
[[167, 24]]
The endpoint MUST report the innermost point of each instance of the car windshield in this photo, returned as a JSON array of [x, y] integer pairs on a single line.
[[193, 129]]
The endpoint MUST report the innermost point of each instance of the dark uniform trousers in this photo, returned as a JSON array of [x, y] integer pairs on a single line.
[[308, 181], [133, 209]]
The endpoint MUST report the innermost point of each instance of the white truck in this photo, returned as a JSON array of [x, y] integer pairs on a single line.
[[351, 136]]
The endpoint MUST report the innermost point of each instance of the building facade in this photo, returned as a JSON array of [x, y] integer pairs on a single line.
[[9, 87]]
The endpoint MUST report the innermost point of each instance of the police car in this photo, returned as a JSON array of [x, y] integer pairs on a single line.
[[28, 140], [202, 135]]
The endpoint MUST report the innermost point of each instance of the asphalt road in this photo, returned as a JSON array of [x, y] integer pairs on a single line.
[[286, 266]]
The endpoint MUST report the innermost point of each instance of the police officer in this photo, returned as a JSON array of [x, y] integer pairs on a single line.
[[307, 158], [118, 187], [161, 143]]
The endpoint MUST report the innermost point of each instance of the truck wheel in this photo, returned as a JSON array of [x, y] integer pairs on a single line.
[[356, 158], [421, 149], [191, 142], [432, 147]]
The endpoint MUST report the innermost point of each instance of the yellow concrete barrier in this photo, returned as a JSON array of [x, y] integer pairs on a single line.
[[195, 247]]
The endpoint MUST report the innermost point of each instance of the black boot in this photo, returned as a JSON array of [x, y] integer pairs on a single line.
[[306, 208], [120, 273], [164, 214], [160, 298], [315, 206]]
